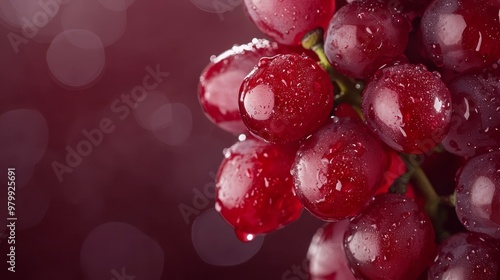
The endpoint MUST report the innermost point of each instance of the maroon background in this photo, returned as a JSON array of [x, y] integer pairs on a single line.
[[132, 177]]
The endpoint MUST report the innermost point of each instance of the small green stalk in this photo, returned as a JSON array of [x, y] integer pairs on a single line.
[[433, 205], [350, 92]]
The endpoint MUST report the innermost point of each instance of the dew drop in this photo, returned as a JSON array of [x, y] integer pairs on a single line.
[[243, 236]]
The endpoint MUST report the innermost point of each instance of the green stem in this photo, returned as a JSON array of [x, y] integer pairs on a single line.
[[450, 200], [425, 186], [349, 91], [433, 201]]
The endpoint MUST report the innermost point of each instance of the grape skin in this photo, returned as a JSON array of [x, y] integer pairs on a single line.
[[363, 36], [475, 125], [221, 79], [462, 35], [466, 256], [287, 21], [254, 188], [408, 107], [338, 168], [478, 194], [285, 98], [391, 239], [327, 260]]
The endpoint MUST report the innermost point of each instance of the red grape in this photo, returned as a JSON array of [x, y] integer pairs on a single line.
[[255, 188], [408, 107], [287, 21], [466, 256], [363, 36], [326, 254], [285, 98], [221, 79], [462, 35], [478, 194], [391, 239], [475, 125], [338, 168], [412, 8]]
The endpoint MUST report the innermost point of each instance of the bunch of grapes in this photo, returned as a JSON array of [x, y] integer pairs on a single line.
[[380, 117]]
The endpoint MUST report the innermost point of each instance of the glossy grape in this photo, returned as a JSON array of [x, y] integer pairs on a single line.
[[254, 187], [221, 79], [287, 21], [478, 194], [327, 260], [475, 125], [411, 8], [408, 107], [338, 168], [390, 239], [462, 35], [285, 98], [363, 36], [466, 256]]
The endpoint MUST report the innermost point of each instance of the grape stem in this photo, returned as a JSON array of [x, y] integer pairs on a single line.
[[349, 91], [433, 201]]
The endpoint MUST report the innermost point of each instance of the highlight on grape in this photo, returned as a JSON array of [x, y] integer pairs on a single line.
[[380, 117]]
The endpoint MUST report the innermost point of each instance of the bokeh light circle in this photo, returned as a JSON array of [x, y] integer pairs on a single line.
[[76, 58], [91, 15], [180, 128], [31, 205], [154, 112], [116, 5], [216, 243], [24, 133], [8, 14], [119, 248], [24, 140]]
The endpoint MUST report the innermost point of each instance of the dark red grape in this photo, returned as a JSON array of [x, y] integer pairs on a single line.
[[462, 35], [338, 168], [475, 125], [326, 254], [390, 239], [411, 8], [285, 98], [221, 79], [255, 188], [466, 256], [287, 21], [363, 36], [478, 194], [408, 107]]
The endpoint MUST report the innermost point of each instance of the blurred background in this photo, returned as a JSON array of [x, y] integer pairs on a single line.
[[114, 159]]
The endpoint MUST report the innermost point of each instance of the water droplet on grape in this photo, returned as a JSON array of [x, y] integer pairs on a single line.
[[243, 236]]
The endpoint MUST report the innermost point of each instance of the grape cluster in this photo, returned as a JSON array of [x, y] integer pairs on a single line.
[[380, 117]]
